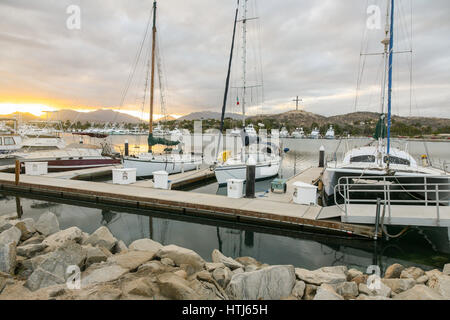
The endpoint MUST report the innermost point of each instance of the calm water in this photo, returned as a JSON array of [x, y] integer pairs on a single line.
[[424, 247]]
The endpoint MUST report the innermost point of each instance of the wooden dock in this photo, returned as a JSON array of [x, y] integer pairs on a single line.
[[254, 211]]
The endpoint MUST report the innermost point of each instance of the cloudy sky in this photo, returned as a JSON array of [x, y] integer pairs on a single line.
[[296, 47]]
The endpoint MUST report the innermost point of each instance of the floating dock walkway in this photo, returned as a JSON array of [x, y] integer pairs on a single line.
[[255, 211]]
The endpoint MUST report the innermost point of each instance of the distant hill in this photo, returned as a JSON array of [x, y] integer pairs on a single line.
[[24, 116], [208, 115], [98, 116]]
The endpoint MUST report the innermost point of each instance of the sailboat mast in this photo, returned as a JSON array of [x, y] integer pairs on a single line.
[[244, 60], [152, 83], [391, 52]]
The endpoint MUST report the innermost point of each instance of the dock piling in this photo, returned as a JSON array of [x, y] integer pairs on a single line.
[[250, 184], [377, 218], [322, 157], [17, 171], [127, 152]]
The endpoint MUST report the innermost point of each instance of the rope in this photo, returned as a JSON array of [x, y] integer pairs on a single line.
[[384, 229]]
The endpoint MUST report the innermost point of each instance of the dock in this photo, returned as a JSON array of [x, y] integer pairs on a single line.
[[255, 211]]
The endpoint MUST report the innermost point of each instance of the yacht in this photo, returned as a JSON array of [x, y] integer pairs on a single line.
[[299, 134], [37, 138], [315, 134], [284, 133], [330, 133], [10, 141]]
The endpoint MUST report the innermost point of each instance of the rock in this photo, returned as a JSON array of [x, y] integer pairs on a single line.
[[348, 290], [5, 224], [29, 265], [419, 292], [53, 270], [61, 238], [412, 273], [145, 245], [366, 297], [326, 292], [360, 279], [102, 273], [36, 239], [238, 270], [204, 276], [152, 267], [140, 287], [13, 234], [222, 276], [446, 269], [208, 290], [182, 256], [26, 226], [319, 277], [8, 258], [383, 290], [399, 285], [120, 247], [211, 266], [175, 287], [335, 270], [30, 250], [245, 261], [353, 273], [181, 274], [102, 237], [168, 262], [310, 291], [102, 293], [250, 268], [56, 292], [272, 283], [94, 255], [218, 257], [132, 259], [422, 280], [299, 289], [47, 224], [441, 284], [394, 271]]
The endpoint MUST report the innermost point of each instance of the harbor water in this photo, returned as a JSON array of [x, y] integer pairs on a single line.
[[427, 248]]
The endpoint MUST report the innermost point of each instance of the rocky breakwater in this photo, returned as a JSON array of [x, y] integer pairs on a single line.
[[40, 261]]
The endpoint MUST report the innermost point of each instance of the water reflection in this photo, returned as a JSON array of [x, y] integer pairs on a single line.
[[426, 248]]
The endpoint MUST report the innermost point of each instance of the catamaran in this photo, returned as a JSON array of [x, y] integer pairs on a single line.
[[234, 167], [147, 163], [379, 158]]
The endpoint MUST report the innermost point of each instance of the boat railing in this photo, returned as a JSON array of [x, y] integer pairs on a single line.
[[440, 164], [431, 191]]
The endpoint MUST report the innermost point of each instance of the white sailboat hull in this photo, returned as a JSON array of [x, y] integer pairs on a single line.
[[263, 171], [145, 166]]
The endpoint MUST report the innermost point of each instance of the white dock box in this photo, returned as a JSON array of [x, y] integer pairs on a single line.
[[36, 168], [124, 176], [161, 180], [305, 193], [235, 188]]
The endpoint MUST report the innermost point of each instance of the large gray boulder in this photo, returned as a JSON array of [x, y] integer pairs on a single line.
[[182, 256], [26, 226], [175, 287], [441, 284], [102, 237], [321, 276], [132, 259], [326, 292], [383, 290], [47, 224], [299, 289], [348, 290], [30, 250], [13, 234], [218, 257], [419, 292], [53, 269], [61, 238], [271, 283], [5, 224], [101, 273], [8, 258], [145, 245], [94, 255], [399, 285], [446, 269], [412, 273]]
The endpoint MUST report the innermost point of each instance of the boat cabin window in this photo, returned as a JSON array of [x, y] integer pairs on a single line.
[[365, 158], [9, 141], [397, 160]]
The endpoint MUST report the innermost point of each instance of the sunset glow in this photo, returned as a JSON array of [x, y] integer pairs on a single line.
[[35, 109]]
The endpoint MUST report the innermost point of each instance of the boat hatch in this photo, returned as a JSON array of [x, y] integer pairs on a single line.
[[365, 158], [397, 160]]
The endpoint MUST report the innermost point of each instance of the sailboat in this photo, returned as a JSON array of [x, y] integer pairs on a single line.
[[234, 167], [147, 163], [380, 159]]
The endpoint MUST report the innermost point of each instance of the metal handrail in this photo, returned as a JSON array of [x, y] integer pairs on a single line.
[[435, 194]]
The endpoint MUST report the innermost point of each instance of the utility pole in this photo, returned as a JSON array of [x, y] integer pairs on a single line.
[[297, 100]]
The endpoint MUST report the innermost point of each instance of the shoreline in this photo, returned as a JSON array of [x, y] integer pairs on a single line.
[[40, 261]]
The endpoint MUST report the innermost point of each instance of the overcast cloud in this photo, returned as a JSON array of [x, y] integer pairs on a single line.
[[308, 48]]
